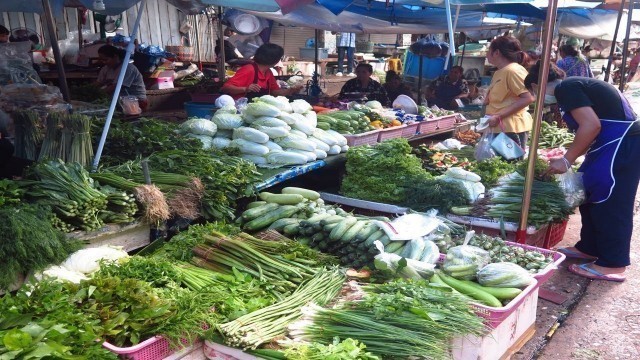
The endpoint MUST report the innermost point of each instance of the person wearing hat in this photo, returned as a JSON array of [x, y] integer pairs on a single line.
[[573, 63]]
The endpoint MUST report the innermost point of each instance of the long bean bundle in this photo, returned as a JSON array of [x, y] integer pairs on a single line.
[[264, 325], [27, 134]]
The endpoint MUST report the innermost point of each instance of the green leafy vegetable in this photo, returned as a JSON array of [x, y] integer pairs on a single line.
[[492, 169], [348, 349]]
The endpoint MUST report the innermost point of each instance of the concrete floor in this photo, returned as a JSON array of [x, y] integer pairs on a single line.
[[600, 320]]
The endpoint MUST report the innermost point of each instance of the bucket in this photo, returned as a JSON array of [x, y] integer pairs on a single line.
[[199, 110]]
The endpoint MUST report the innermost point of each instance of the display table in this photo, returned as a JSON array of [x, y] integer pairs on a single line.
[[70, 74], [273, 177]]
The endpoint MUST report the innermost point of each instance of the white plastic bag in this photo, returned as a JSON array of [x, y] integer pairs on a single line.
[[410, 226], [483, 147]]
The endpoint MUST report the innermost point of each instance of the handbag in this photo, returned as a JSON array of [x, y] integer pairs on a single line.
[[506, 147]]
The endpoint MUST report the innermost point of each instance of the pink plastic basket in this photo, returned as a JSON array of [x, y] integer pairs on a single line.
[[367, 138], [410, 130], [151, 349], [437, 124], [495, 316], [544, 274], [391, 133]]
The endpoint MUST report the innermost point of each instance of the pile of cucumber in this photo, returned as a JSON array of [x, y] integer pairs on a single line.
[[345, 122]]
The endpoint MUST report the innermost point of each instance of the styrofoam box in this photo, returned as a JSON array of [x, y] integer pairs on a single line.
[[505, 338]]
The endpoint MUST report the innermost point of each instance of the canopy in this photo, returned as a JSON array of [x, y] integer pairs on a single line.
[[593, 24], [113, 7]]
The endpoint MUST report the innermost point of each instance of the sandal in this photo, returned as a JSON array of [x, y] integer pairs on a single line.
[[585, 271], [575, 254]]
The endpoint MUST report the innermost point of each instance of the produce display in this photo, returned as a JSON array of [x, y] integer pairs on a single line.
[[551, 136], [437, 162], [468, 137], [361, 118], [28, 135]]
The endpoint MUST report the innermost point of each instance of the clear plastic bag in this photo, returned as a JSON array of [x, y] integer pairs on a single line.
[[504, 274], [571, 184], [483, 147], [464, 261]]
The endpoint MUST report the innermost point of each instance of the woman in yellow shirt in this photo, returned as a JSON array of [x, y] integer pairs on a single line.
[[508, 98]]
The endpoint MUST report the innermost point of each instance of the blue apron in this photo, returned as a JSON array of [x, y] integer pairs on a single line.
[[597, 169]]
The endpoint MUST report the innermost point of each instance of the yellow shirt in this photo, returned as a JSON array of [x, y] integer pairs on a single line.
[[506, 86]]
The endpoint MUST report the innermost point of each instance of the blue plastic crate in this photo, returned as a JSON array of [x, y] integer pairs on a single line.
[[431, 68]]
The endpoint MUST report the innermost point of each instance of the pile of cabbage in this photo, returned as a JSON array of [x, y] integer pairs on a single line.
[[273, 132]]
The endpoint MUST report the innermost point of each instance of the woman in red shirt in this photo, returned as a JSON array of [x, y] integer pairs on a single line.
[[256, 79]]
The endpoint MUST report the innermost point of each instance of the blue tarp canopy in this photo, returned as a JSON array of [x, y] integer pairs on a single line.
[[113, 7]]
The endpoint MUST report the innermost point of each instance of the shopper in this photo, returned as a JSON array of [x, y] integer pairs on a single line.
[[346, 45], [508, 99], [133, 82], [447, 89], [256, 79], [4, 35], [609, 134], [231, 53], [394, 87], [633, 64], [364, 85], [573, 63]]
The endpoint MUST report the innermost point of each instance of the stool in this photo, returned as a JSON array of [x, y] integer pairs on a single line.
[[395, 65]]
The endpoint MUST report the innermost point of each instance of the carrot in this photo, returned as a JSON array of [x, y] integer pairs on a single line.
[[319, 108]]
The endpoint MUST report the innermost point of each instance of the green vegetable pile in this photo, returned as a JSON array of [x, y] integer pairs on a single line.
[[89, 93], [551, 136], [437, 162], [348, 349], [375, 172], [492, 169], [29, 242], [11, 192]]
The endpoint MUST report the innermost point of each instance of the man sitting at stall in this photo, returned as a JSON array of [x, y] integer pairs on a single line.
[[256, 79], [133, 82], [447, 89], [231, 53], [4, 35], [364, 86], [394, 87]]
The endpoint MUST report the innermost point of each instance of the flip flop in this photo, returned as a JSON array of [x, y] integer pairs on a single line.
[[574, 254], [585, 271]]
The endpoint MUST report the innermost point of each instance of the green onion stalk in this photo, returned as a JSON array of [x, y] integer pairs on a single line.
[[264, 325]]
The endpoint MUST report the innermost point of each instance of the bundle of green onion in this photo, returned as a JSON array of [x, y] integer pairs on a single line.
[[68, 137], [27, 134]]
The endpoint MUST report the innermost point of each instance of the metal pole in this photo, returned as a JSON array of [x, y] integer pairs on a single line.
[[221, 72], [420, 81], [80, 40], [53, 38], [613, 42], [450, 28], [116, 93], [315, 45], [550, 21], [625, 47], [197, 22]]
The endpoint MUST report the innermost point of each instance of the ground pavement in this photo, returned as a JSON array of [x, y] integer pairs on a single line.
[[599, 320]]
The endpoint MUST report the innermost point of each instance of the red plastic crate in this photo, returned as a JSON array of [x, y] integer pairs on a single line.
[[535, 237], [410, 130], [555, 234], [390, 133], [367, 138]]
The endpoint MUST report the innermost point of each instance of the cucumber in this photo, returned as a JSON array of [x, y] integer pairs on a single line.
[[329, 227], [342, 228], [291, 230], [283, 199], [255, 204], [506, 293], [375, 236], [317, 237], [471, 291], [367, 231], [259, 211], [394, 247], [332, 219], [304, 241], [385, 240], [264, 195], [350, 234], [269, 218], [323, 125], [279, 224], [307, 194]]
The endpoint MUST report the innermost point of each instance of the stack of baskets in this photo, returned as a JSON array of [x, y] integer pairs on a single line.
[[183, 53]]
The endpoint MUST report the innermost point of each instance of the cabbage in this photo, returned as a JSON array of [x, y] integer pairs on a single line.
[[198, 127], [273, 132], [290, 119], [249, 119], [320, 144], [300, 106], [298, 133], [204, 139], [228, 134], [344, 148], [249, 147], [227, 121], [281, 102], [504, 274], [258, 109], [250, 134], [273, 146], [271, 122], [342, 141], [335, 150], [293, 142], [256, 159], [228, 109], [304, 126], [225, 100], [373, 104], [325, 137], [220, 142], [312, 118], [311, 155], [285, 158], [86, 261], [320, 154]]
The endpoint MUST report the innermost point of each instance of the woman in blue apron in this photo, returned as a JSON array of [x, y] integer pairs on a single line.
[[608, 134]]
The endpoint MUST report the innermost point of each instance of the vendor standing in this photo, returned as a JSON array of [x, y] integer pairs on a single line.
[[608, 134], [447, 89], [256, 79], [364, 85], [133, 82]]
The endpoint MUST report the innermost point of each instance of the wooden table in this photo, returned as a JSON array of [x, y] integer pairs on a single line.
[[70, 75]]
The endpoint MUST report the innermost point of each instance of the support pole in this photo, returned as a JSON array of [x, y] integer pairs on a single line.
[[116, 93], [625, 47], [53, 38], [613, 42], [196, 18], [80, 40], [221, 72], [420, 81], [550, 20], [450, 28]]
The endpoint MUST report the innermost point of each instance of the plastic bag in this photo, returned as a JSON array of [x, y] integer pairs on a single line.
[[406, 268], [410, 226], [571, 184], [504, 274], [483, 148], [464, 261], [506, 147]]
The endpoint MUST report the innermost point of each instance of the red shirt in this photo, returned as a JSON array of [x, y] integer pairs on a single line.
[[245, 77]]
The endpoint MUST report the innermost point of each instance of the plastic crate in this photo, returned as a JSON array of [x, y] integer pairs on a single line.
[[215, 351], [410, 130], [535, 236], [151, 349], [495, 316], [367, 138], [391, 133], [545, 274], [204, 98], [555, 234], [437, 124]]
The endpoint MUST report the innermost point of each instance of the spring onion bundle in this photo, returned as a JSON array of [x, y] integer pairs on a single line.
[[261, 326], [27, 134], [68, 137]]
